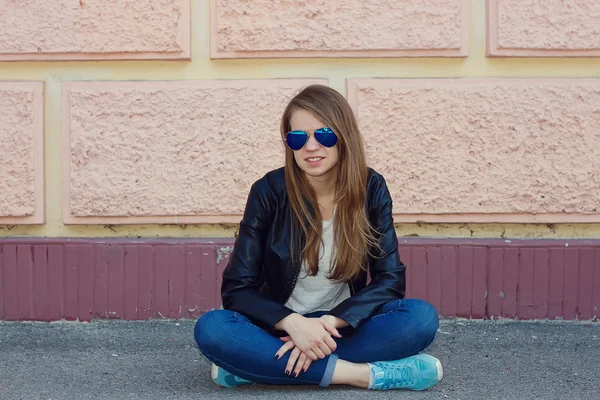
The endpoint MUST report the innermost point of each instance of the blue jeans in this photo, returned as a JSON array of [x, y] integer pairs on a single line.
[[402, 328]]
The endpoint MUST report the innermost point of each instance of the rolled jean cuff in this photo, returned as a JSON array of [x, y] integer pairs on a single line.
[[328, 375]]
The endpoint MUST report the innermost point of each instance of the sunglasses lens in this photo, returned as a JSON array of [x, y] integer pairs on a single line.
[[296, 139], [326, 137]]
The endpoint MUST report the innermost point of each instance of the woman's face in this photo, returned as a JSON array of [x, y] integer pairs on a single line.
[[316, 160]]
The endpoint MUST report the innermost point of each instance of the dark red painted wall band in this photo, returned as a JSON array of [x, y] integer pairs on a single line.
[[86, 279]]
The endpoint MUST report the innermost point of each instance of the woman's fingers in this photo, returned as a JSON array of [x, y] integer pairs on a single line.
[[284, 349], [301, 361], [329, 328], [306, 364], [292, 360], [311, 354], [285, 338], [331, 344], [319, 353], [325, 348]]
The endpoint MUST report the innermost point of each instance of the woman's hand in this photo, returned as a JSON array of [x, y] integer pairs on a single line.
[[303, 360], [335, 321], [311, 336]]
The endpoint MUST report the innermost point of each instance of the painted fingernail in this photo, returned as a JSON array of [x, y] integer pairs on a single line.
[[287, 372], [296, 374], [276, 357]]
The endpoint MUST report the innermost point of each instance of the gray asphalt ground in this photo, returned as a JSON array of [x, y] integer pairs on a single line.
[[159, 360]]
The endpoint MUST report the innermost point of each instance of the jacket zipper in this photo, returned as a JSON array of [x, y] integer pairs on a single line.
[[297, 272], [298, 267]]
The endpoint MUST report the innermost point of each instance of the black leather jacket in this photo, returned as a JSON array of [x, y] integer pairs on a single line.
[[261, 275]]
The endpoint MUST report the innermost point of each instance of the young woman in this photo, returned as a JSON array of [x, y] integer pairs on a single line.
[[297, 306]]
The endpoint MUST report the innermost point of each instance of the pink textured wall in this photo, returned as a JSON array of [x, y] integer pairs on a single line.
[[491, 150], [94, 29], [339, 28], [169, 151], [21, 152], [543, 28]]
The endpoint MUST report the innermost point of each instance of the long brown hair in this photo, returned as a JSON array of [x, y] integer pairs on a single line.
[[354, 235]]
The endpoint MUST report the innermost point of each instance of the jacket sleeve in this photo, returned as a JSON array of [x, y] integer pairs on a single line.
[[388, 273], [242, 276]]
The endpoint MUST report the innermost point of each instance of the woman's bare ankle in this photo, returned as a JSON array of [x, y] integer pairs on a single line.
[[347, 373]]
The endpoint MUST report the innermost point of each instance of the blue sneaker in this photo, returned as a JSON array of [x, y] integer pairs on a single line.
[[418, 372], [226, 379]]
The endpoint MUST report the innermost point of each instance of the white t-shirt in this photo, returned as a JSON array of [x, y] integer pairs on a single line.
[[317, 293]]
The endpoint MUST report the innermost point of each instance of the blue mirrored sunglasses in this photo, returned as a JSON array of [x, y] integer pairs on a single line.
[[297, 139]]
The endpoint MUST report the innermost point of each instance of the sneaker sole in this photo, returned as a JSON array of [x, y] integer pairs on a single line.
[[440, 371], [214, 372]]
